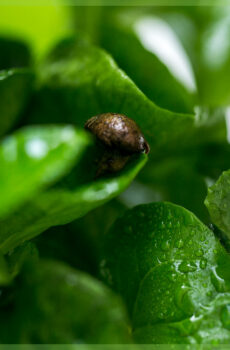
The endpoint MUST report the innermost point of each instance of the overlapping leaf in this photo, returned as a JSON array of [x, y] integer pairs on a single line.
[[88, 312], [34, 157], [60, 206], [143, 66], [173, 275]]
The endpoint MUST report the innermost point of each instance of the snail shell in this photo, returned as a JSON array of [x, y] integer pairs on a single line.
[[117, 131]]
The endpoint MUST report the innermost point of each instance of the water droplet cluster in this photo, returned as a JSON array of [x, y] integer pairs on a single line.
[[165, 264]]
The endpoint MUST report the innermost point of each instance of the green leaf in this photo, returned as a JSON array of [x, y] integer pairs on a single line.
[[143, 66], [35, 157], [60, 206], [15, 88], [217, 202], [173, 274], [88, 312], [13, 54], [76, 73]]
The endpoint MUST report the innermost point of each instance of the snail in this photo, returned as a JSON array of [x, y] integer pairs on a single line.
[[121, 138]]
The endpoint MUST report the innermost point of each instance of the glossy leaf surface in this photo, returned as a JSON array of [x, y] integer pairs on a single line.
[[173, 274], [60, 206], [35, 157]]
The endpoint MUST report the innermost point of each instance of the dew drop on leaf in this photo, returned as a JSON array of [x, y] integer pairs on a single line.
[[187, 267], [172, 277], [179, 243], [203, 263], [199, 252], [162, 224], [163, 257], [169, 224], [202, 238], [165, 246]]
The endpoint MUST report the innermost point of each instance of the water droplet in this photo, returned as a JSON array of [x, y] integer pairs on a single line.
[[172, 277], [163, 257], [177, 224], [179, 243], [187, 267], [162, 224], [202, 238], [203, 263], [199, 252], [165, 245], [225, 316]]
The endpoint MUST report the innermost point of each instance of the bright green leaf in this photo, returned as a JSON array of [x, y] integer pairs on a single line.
[[60, 206], [173, 274], [34, 157]]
